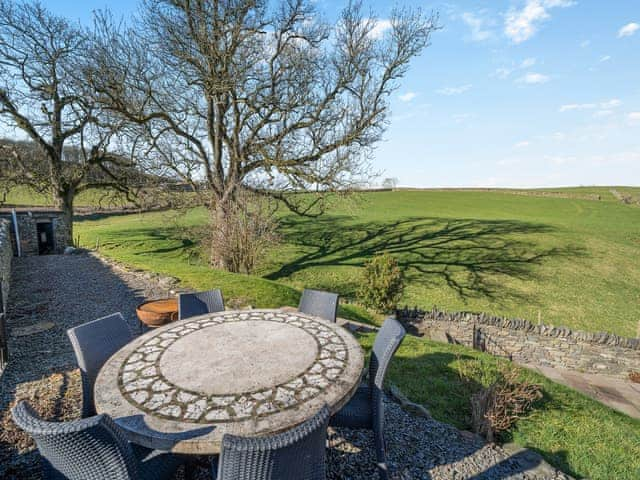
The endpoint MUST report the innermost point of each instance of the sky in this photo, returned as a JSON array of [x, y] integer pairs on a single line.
[[510, 93]]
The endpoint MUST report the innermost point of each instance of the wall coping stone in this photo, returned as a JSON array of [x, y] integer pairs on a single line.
[[596, 338]]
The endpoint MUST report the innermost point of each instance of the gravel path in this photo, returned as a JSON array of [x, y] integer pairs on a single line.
[[52, 293]]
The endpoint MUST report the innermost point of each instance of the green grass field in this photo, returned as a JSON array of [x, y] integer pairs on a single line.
[[562, 261], [88, 198]]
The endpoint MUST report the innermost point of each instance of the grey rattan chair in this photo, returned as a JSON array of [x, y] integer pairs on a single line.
[[93, 343], [366, 408], [199, 303], [299, 454], [319, 303], [91, 449]]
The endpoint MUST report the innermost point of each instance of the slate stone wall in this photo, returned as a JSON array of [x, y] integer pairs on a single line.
[[27, 225], [6, 254], [527, 343]]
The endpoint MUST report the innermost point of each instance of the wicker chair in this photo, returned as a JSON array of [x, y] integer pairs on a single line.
[[91, 449], [366, 408], [319, 303], [199, 303], [93, 343], [299, 453]]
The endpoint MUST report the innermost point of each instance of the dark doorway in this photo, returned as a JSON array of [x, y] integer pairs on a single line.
[[45, 238]]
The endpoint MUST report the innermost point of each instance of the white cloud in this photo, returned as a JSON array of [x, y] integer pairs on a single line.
[[585, 43], [605, 58], [603, 113], [606, 105], [534, 78], [380, 28], [522, 24], [505, 72], [628, 30], [522, 144], [407, 97], [577, 106], [478, 26], [634, 116], [614, 102], [454, 90], [528, 62], [461, 117]]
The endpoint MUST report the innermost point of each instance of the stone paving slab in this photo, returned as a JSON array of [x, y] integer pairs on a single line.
[[618, 393]]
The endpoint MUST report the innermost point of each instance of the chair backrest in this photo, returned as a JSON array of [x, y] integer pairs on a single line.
[[319, 303], [93, 343], [299, 453], [199, 303], [387, 341], [90, 448]]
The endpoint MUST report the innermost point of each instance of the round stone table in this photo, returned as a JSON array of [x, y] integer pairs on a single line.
[[182, 386]]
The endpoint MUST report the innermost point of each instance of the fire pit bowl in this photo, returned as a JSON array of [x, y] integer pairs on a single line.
[[155, 313]]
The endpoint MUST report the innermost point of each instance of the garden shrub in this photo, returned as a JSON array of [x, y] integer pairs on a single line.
[[382, 283]]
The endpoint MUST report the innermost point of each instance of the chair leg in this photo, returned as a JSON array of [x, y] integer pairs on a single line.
[[381, 457]]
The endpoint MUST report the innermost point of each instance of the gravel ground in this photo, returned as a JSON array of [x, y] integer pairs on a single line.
[[72, 289]]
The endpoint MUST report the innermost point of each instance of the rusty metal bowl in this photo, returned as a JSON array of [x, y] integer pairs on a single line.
[[155, 313]]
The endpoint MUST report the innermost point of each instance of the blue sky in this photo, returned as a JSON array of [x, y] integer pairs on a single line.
[[510, 93]]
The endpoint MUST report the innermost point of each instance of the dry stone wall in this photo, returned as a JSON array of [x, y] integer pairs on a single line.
[[528, 343], [6, 254], [28, 220]]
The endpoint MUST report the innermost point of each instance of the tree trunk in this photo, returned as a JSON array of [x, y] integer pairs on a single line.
[[220, 237], [64, 201]]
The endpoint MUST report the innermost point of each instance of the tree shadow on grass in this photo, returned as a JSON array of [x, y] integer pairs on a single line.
[[180, 240], [469, 255]]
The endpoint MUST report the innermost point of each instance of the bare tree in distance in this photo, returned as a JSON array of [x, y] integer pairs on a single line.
[[390, 182], [61, 149], [254, 95]]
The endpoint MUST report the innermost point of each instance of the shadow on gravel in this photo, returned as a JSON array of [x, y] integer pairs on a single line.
[[66, 290]]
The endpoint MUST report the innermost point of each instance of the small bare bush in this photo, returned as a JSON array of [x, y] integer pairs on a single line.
[[496, 408], [242, 232]]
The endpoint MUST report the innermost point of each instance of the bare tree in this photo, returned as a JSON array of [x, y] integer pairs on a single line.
[[43, 98], [390, 182], [245, 94]]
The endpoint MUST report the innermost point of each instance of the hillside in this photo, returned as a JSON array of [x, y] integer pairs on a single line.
[[562, 261]]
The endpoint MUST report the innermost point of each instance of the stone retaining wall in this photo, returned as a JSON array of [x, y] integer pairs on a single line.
[[6, 254], [28, 220], [527, 343]]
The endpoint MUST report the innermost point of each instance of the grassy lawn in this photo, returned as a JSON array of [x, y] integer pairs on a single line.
[[558, 260], [571, 431], [567, 260], [88, 198]]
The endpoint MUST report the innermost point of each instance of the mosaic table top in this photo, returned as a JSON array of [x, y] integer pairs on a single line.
[[183, 386]]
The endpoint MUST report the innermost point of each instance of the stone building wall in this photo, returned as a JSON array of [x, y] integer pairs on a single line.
[[28, 220], [527, 343], [6, 254]]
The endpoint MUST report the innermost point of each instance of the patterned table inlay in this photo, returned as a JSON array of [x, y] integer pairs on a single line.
[[317, 357]]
